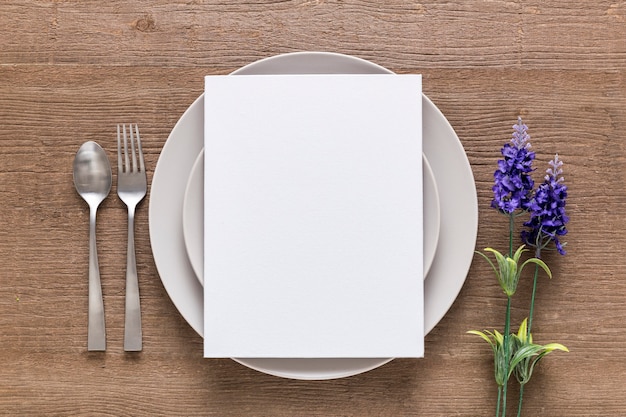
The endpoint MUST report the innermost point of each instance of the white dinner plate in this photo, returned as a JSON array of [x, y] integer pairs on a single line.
[[193, 217], [457, 194]]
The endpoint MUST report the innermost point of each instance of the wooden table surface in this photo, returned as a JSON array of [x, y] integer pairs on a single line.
[[70, 71]]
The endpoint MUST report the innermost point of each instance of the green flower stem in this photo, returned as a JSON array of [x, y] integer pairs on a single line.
[[507, 331], [511, 227], [530, 323], [532, 300], [498, 404]]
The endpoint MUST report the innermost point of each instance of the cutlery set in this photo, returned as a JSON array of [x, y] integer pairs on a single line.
[[93, 179]]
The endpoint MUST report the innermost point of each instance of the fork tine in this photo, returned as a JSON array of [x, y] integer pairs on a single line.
[[126, 160], [133, 168], [120, 169], [142, 165]]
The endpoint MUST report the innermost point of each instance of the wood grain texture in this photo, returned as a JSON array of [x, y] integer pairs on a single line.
[[70, 71]]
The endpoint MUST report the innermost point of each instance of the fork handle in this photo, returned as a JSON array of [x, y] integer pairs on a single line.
[[132, 322], [96, 338]]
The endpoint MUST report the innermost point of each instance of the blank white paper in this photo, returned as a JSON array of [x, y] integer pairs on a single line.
[[313, 216]]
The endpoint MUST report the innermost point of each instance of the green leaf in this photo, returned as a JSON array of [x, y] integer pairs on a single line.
[[555, 346], [522, 331], [518, 253], [527, 354], [540, 263], [483, 335], [488, 260], [499, 338]]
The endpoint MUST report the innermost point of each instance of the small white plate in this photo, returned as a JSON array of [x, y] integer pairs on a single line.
[[457, 195], [193, 217]]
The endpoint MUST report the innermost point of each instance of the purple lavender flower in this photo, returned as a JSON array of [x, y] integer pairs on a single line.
[[547, 211], [513, 185]]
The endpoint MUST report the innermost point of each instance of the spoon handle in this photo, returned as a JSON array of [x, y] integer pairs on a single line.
[[96, 339]]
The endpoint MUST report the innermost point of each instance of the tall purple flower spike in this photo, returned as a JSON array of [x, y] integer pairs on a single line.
[[513, 185], [547, 211]]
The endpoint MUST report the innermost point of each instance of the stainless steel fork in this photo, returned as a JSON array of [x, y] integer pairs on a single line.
[[131, 189]]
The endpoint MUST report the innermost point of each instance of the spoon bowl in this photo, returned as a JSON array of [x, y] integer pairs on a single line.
[[92, 179], [92, 173]]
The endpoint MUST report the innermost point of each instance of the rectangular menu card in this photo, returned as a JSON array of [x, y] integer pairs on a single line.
[[313, 222]]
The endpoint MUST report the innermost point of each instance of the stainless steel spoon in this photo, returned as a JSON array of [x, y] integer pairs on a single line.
[[92, 179]]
